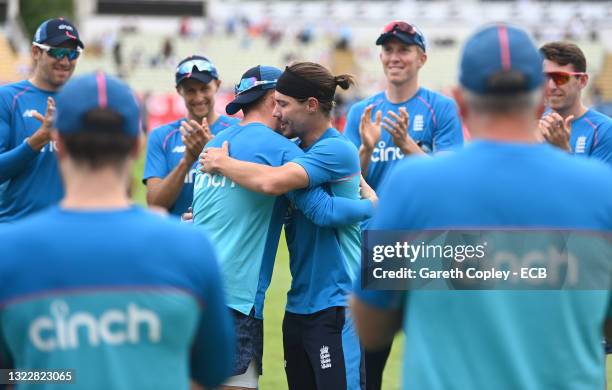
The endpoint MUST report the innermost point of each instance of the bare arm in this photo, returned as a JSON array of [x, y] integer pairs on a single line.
[[164, 192], [375, 327], [255, 177]]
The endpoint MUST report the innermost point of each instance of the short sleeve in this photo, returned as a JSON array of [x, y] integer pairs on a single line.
[[329, 160], [602, 150], [156, 164], [449, 132]]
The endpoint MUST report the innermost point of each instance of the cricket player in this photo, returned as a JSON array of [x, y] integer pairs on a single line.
[[416, 120], [569, 124], [495, 339], [321, 347], [245, 225], [173, 148], [29, 177], [125, 298]]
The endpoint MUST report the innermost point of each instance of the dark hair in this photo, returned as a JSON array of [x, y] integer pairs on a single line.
[[102, 143], [564, 53], [256, 103], [321, 77]]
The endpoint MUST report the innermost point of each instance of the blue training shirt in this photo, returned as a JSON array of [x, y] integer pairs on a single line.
[[126, 298], [591, 136], [499, 339], [245, 226], [434, 124], [29, 180], [324, 261], [164, 152]]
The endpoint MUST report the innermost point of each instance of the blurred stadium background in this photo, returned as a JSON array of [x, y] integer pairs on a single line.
[[143, 40]]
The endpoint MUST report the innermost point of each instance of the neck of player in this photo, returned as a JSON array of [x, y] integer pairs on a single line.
[[100, 189], [39, 82], [211, 117], [577, 110], [317, 127], [504, 128], [399, 93]]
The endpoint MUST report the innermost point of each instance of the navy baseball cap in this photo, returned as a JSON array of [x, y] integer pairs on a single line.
[[196, 67], [405, 32], [254, 84], [500, 49], [54, 32], [85, 93]]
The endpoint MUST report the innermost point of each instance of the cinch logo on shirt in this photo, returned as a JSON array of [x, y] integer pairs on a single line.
[[580, 144], [208, 180], [29, 113], [179, 149], [419, 123], [383, 153], [65, 27], [190, 176], [62, 329]]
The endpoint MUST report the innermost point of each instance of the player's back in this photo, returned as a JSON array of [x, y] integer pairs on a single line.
[[244, 225], [496, 339], [126, 298]]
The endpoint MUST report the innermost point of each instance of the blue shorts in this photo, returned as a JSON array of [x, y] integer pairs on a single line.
[[354, 361], [249, 341]]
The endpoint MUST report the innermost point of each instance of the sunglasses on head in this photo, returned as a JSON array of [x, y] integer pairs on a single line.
[[400, 26], [60, 52], [561, 78], [200, 65], [252, 82]]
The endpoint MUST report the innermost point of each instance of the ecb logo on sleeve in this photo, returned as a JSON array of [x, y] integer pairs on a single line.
[[64, 330]]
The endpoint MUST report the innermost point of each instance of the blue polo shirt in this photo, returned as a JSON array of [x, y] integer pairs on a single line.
[[434, 124], [164, 152], [125, 297], [592, 136], [29, 180], [324, 261], [499, 339]]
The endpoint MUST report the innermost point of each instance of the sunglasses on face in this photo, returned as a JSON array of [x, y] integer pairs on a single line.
[[200, 65], [561, 78], [60, 52], [252, 82]]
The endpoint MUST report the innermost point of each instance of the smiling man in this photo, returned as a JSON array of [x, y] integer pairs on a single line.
[[29, 176], [571, 125], [416, 120], [173, 148]]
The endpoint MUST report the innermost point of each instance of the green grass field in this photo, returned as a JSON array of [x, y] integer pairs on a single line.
[[274, 372]]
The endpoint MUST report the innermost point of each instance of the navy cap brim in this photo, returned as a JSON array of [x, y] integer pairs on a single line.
[[200, 76], [400, 36], [243, 99], [59, 39]]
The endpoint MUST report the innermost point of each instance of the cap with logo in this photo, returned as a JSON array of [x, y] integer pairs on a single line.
[[92, 91], [404, 32], [497, 50], [196, 67], [253, 84], [54, 32]]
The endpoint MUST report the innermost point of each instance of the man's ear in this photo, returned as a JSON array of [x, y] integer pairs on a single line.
[[312, 105]]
